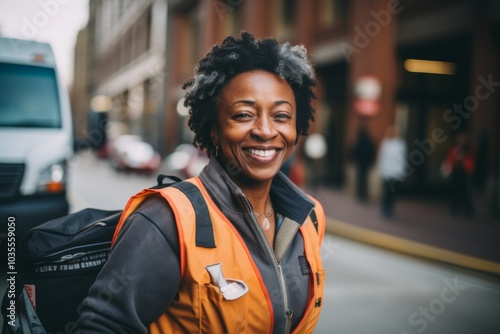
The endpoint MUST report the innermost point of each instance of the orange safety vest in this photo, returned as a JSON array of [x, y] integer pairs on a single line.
[[200, 307]]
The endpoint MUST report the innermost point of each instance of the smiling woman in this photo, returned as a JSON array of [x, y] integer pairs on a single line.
[[235, 56], [255, 127], [237, 248]]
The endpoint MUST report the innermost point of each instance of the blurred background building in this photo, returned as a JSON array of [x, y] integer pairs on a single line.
[[429, 66], [121, 55]]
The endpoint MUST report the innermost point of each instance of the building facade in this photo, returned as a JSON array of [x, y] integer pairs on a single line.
[[126, 45], [79, 91], [429, 66]]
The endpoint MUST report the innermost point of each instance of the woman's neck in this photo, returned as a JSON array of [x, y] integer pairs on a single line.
[[257, 194], [259, 198]]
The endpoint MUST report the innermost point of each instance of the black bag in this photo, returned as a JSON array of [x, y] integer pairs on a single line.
[[59, 260]]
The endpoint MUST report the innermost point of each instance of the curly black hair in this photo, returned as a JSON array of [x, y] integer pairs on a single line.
[[236, 55]]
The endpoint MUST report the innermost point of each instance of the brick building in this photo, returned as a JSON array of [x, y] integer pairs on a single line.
[[388, 40], [430, 66], [125, 54]]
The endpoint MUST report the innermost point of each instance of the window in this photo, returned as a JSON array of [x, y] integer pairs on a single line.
[[331, 11], [28, 97], [287, 13]]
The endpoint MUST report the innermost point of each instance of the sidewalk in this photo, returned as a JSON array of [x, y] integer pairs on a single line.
[[423, 229]]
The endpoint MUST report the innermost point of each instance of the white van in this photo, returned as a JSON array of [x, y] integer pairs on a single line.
[[36, 137]]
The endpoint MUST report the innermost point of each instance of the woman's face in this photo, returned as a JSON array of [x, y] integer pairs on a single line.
[[256, 125]]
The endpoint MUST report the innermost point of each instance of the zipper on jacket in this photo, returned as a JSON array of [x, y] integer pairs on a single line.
[[278, 270], [288, 312]]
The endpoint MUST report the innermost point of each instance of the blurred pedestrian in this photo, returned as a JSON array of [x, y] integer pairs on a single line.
[[391, 164], [255, 266], [481, 160], [459, 165], [363, 154], [315, 149]]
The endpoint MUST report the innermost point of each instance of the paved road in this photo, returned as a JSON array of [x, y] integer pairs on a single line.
[[370, 290], [93, 183]]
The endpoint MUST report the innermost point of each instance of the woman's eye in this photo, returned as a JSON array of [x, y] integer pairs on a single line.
[[282, 116], [242, 115]]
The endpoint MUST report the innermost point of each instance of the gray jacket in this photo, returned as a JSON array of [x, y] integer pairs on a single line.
[[142, 274]]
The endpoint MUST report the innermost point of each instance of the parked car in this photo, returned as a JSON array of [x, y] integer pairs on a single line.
[[130, 152], [186, 161]]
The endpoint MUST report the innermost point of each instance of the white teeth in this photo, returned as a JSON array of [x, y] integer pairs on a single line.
[[262, 153]]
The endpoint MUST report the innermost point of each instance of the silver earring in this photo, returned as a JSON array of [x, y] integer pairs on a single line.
[[217, 150]]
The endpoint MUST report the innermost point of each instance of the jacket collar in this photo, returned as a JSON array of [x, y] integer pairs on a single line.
[[288, 199]]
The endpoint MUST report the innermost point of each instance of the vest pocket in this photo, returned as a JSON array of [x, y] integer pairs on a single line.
[[219, 315]]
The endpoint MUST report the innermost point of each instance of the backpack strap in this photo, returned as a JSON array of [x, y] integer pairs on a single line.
[[204, 229], [317, 216], [161, 178], [314, 219]]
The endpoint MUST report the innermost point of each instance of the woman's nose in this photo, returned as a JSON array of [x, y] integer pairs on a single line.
[[263, 128]]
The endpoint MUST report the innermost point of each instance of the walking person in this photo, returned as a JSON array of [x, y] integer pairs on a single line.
[[459, 165], [391, 164], [363, 154], [253, 263]]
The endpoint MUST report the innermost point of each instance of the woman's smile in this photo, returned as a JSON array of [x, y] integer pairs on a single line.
[[256, 124], [262, 155]]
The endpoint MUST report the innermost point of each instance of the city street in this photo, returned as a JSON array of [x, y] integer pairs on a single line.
[[391, 109], [368, 290]]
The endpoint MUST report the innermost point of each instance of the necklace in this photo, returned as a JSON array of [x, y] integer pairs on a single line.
[[266, 225]]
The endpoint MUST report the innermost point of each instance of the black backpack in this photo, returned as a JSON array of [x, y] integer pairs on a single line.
[[57, 262]]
